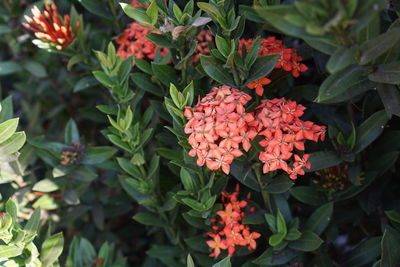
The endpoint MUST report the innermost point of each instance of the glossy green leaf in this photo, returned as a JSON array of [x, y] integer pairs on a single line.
[[279, 184], [370, 129], [386, 73], [148, 218], [377, 46], [46, 185], [320, 219], [342, 58], [262, 67], [7, 129], [322, 160], [276, 258], [308, 195], [308, 241], [52, 248], [344, 85], [366, 252], [216, 70]]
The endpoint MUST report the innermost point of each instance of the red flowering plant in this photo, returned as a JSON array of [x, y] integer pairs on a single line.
[[199, 133]]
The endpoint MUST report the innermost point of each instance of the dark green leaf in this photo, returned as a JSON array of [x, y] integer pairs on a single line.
[[279, 184], [308, 195], [370, 129], [386, 73], [364, 253], [216, 70], [148, 218], [308, 241], [320, 219], [262, 67]]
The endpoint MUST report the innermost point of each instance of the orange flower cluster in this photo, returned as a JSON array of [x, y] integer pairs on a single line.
[[230, 226], [203, 39], [135, 3], [217, 125], [50, 27], [288, 60], [278, 120], [133, 42]]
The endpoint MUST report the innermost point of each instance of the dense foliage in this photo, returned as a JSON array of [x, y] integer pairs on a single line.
[[199, 133]]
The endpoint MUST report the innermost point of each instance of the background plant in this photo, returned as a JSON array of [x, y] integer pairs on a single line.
[[106, 140]]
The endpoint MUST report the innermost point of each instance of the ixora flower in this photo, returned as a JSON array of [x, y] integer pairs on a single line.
[[133, 42], [136, 3], [288, 60], [278, 120], [204, 38], [218, 125], [228, 228], [50, 27]]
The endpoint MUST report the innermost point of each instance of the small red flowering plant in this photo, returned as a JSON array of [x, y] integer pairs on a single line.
[[228, 230], [286, 101]]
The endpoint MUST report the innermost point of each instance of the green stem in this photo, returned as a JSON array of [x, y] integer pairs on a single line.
[[265, 195], [114, 12], [236, 77]]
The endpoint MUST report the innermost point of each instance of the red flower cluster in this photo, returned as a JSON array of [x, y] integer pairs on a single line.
[[49, 26], [135, 3], [203, 39], [133, 42], [288, 60], [217, 125], [278, 120], [229, 226]]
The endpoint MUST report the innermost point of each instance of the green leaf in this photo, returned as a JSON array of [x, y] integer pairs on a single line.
[[308, 241], [71, 132], [152, 12], [276, 258], [370, 129], [275, 239], [98, 154], [389, 244], [226, 262], [189, 261], [136, 13], [12, 209], [148, 218], [377, 46], [386, 73], [9, 67], [320, 219], [94, 7], [7, 129], [262, 67], [33, 223], [84, 83], [7, 251], [279, 184], [46, 185], [52, 248], [223, 46], [308, 195], [293, 234], [187, 180], [35, 68], [12, 144], [390, 97], [211, 10], [103, 78], [343, 57], [165, 73], [344, 85], [271, 221], [143, 81], [216, 70], [366, 252], [322, 160], [393, 215], [281, 224]]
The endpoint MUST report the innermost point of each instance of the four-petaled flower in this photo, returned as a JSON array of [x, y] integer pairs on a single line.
[[258, 85]]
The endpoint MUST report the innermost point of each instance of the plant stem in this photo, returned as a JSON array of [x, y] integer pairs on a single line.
[[265, 195]]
